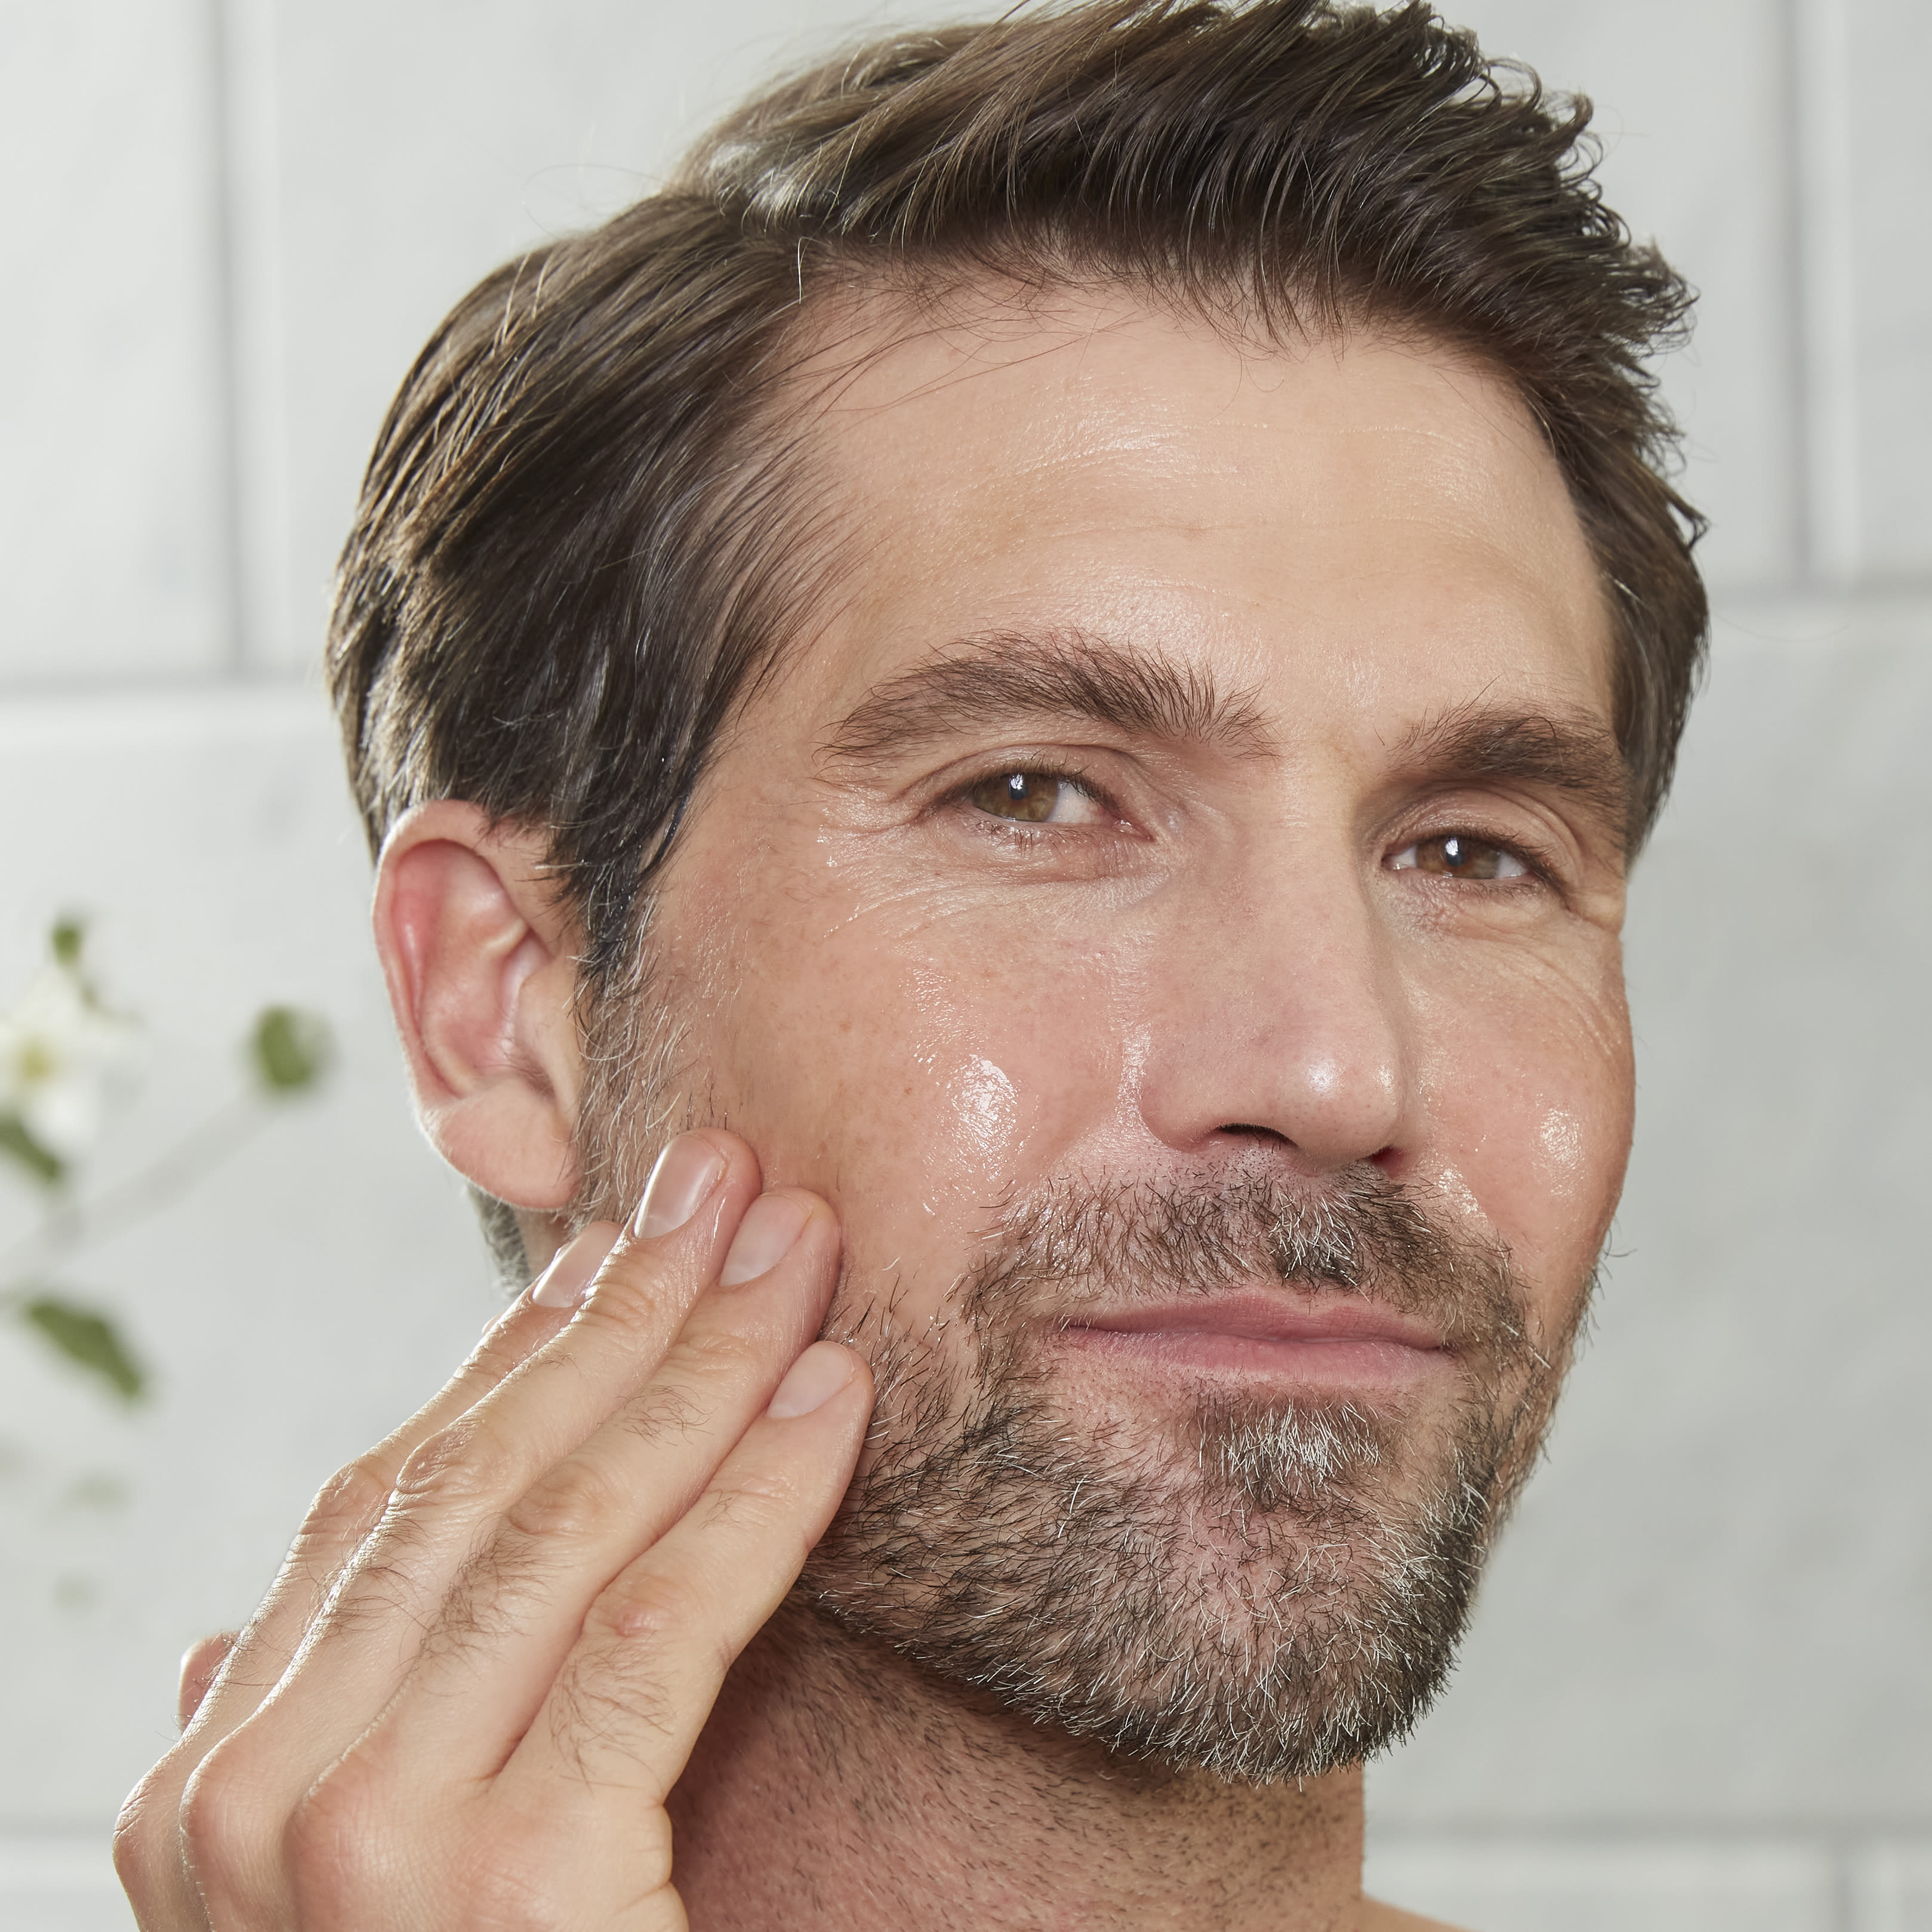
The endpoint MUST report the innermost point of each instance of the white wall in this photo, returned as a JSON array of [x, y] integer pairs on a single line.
[[1698, 1691]]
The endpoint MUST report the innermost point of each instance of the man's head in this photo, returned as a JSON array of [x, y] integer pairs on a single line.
[[1071, 633]]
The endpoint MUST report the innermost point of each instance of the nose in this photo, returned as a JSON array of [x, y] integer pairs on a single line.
[[1276, 1013]]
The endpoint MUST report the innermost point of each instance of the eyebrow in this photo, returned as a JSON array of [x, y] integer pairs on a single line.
[[1002, 677], [1574, 753]]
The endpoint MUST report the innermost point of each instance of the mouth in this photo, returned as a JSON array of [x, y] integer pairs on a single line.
[[1322, 1343]]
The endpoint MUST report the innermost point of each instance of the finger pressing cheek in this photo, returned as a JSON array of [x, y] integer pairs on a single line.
[[520, 1604], [639, 1682]]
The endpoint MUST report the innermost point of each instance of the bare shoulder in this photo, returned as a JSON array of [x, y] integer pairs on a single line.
[[1377, 1917]]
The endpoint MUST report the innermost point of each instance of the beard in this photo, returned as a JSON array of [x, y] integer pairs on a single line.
[[1259, 1588]]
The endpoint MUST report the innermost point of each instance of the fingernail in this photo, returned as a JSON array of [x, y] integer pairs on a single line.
[[771, 1224], [681, 1180], [812, 1381], [573, 1268]]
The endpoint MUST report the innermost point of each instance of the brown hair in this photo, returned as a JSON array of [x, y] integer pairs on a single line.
[[578, 540]]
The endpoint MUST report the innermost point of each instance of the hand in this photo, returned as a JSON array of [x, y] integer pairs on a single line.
[[497, 1636]]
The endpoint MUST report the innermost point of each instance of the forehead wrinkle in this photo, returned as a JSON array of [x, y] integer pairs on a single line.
[[1006, 676], [1569, 751]]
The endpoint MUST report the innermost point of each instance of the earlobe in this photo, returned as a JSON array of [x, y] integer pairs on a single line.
[[482, 968]]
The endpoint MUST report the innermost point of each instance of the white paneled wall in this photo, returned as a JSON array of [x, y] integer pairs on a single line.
[[399, 151], [113, 423], [1698, 1692], [1884, 316]]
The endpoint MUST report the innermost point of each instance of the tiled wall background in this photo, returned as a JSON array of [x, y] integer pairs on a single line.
[[1698, 1693]]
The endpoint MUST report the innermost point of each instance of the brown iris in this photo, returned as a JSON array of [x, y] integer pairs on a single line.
[[1021, 795], [1456, 856]]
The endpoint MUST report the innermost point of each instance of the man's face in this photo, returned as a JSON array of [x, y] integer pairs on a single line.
[[1170, 907]]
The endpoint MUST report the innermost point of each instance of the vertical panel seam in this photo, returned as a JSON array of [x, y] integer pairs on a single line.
[[1827, 311], [228, 508]]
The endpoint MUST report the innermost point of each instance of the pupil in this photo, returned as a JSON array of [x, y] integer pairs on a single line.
[[1453, 853]]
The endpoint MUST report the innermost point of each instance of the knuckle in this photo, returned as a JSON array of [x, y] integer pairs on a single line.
[[654, 1608], [333, 1824], [222, 1815], [572, 1503], [350, 1824], [355, 1495], [145, 1833], [713, 1353], [462, 1464], [630, 1300]]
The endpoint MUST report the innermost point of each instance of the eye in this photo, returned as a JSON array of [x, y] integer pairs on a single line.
[[1034, 798], [1456, 855]]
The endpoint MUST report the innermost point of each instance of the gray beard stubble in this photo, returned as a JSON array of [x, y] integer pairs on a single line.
[[1278, 1591]]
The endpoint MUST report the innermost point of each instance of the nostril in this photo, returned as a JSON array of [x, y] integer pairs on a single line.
[[1248, 1130]]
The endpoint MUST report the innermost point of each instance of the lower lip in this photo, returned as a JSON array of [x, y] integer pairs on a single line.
[[1353, 1361]]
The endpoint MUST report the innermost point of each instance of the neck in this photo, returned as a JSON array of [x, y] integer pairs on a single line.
[[837, 1785]]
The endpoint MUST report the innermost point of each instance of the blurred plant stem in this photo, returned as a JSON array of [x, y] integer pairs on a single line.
[[71, 1225], [64, 1056]]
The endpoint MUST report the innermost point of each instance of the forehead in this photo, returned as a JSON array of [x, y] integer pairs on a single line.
[[1375, 518]]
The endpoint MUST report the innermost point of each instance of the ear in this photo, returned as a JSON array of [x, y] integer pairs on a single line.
[[482, 969]]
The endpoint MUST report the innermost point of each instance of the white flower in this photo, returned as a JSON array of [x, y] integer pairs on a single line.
[[64, 1057]]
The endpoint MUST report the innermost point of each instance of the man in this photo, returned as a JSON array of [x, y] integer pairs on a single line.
[[1040, 679]]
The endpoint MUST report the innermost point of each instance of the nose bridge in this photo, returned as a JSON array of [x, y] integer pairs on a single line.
[[1283, 1011]]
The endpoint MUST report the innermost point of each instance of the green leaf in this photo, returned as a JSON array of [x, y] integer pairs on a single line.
[[17, 1143], [289, 1049], [68, 938], [90, 1340]]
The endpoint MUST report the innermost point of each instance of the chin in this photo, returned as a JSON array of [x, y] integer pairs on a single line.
[[1205, 1475], [1267, 1590]]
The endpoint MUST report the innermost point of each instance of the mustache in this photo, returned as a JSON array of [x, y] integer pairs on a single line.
[[1076, 1242]]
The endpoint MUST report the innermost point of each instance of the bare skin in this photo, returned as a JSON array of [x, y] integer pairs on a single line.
[[924, 951]]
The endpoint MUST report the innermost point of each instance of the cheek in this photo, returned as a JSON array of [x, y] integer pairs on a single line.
[[1528, 1084], [916, 1063], [981, 1109]]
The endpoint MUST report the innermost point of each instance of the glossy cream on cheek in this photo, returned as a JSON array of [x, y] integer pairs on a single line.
[[981, 1101], [1561, 1151], [1541, 1176], [970, 1139], [1518, 1166]]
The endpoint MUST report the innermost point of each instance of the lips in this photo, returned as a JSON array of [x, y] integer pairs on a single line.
[[1326, 1340], [1271, 1317]]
